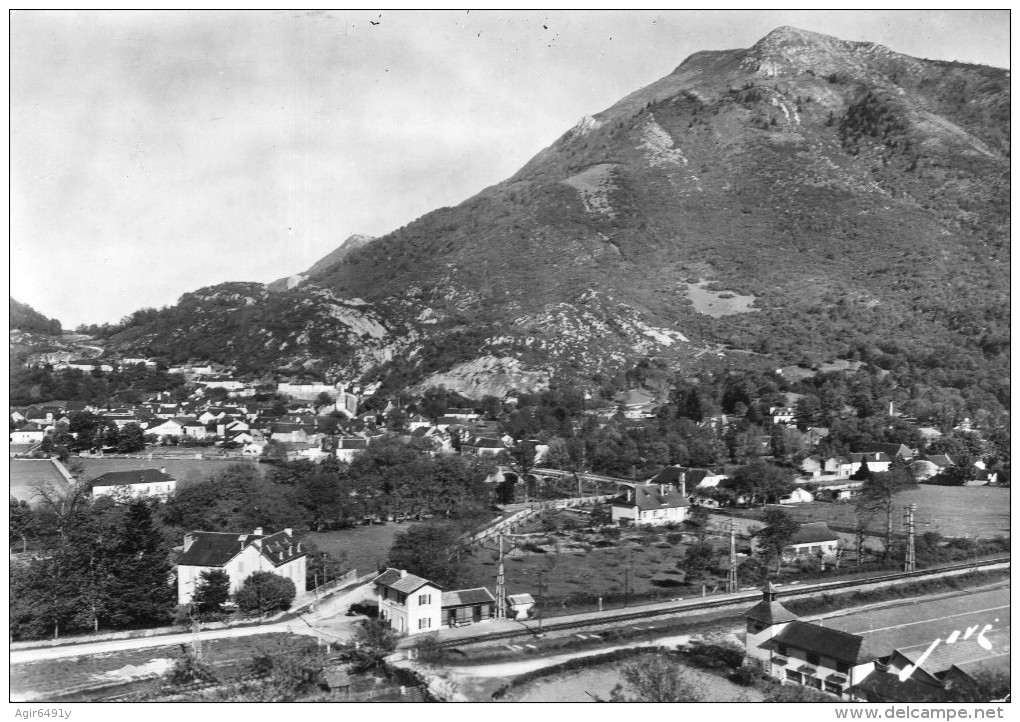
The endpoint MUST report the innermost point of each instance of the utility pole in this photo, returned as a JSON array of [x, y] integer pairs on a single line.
[[910, 564], [731, 581], [500, 585]]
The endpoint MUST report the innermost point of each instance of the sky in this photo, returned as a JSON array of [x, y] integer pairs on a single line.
[[154, 153]]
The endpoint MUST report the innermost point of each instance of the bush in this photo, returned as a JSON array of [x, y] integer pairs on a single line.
[[368, 609], [744, 676], [674, 537], [716, 655], [265, 592]]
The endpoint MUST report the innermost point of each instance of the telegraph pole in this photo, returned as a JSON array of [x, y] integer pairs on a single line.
[[910, 564], [500, 585], [731, 582]]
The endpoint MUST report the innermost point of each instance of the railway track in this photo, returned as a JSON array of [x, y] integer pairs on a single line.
[[748, 597]]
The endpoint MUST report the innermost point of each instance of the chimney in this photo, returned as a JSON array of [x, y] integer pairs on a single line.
[[189, 539], [630, 494], [162, 470], [683, 485], [403, 573], [258, 531], [288, 531], [662, 489]]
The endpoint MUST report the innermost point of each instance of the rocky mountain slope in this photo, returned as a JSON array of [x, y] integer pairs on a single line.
[[848, 195], [334, 257]]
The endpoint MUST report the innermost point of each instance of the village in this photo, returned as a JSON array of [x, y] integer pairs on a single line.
[[559, 543]]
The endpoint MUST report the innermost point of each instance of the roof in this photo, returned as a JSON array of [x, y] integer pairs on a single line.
[[883, 686], [29, 427], [938, 459], [841, 646], [483, 442], [460, 597], [215, 549], [889, 449], [813, 533], [133, 476], [962, 655], [647, 498], [401, 581], [188, 421], [354, 443], [770, 613], [520, 599]]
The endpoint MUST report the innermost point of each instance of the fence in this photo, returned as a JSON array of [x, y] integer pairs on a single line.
[[513, 521]]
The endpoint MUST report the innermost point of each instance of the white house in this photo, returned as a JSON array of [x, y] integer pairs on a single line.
[[781, 415], [27, 434], [348, 448], [410, 604], [179, 426], [810, 539], [797, 496], [222, 382], [652, 505], [240, 556], [810, 655], [141, 482]]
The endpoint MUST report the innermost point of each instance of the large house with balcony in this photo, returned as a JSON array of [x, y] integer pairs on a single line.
[[795, 652]]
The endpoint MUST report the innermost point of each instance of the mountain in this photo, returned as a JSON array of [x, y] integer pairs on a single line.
[[26, 318], [805, 199], [323, 264]]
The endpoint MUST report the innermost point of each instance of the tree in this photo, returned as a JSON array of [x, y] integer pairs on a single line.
[[131, 438], [775, 537], [140, 587], [22, 522], [761, 481], [430, 551], [699, 559], [876, 497], [656, 679], [374, 640], [212, 590], [265, 592], [521, 458]]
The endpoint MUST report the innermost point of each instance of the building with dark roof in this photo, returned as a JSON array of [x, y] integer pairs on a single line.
[[240, 556], [650, 504], [414, 605], [136, 482], [795, 652]]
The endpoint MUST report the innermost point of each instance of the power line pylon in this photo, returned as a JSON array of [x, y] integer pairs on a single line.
[[500, 585], [731, 581], [910, 563]]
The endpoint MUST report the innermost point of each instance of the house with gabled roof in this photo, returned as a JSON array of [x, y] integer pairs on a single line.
[[29, 433], [651, 505], [798, 653], [414, 605], [411, 604], [136, 482], [240, 556]]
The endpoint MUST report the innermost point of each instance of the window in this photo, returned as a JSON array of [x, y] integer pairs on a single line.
[[842, 667], [812, 658], [833, 688], [424, 599], [425, 623], [813, 682], [792, 676], [781, 648]]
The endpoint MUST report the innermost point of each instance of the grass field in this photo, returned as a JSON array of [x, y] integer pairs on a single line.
[[366, 546], [58, 676], [578, 578], [953, 511], [182, 469]]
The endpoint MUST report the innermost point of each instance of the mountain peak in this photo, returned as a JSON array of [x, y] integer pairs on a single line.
[[788, 47]]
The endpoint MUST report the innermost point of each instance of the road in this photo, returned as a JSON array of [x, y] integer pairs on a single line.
[[328, 622]]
